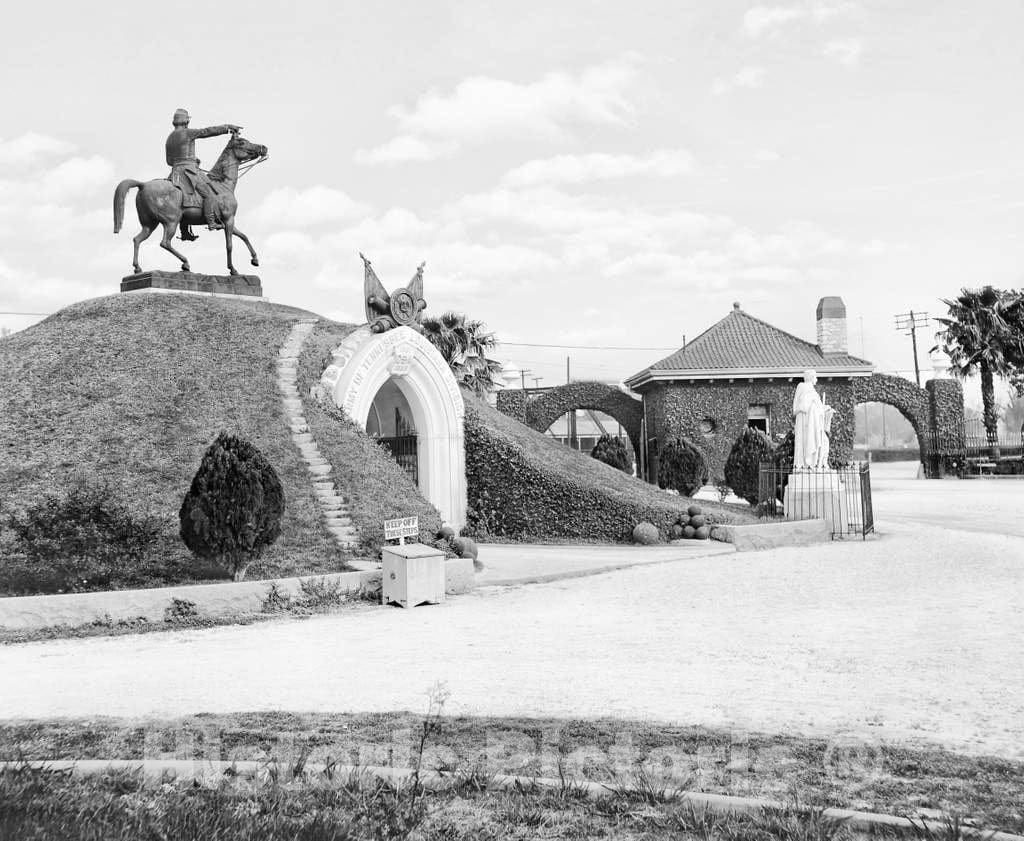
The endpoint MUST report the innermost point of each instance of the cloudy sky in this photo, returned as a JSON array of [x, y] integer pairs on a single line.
[[576, 173]]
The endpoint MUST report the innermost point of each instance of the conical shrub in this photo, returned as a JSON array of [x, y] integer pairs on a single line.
[[682, 467], [233, 509], [743, 466], [613, 452]]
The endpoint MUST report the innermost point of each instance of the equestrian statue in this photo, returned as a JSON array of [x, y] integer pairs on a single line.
[[190, 195]]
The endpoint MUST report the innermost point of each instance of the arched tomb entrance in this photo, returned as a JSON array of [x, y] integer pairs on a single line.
[[397, 385]]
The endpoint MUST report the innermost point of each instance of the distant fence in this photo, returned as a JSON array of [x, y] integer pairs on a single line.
[[841, 497]]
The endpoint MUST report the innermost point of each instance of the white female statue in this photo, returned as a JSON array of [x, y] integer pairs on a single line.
[[810, 425]]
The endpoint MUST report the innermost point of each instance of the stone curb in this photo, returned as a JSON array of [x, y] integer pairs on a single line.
[[209, 601], [210, 771], [757, 536]]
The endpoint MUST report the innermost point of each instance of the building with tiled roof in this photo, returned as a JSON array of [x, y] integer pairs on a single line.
[[742, 372]]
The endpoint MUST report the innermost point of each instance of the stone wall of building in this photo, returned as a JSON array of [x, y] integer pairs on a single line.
[[712, 415]]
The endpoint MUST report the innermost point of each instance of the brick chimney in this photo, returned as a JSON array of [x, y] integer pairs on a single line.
[[832, 325]]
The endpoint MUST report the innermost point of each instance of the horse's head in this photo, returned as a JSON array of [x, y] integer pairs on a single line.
[[243, 150]]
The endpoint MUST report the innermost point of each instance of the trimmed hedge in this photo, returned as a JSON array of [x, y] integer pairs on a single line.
[[614, 453], [525, 486], [743, 467], [682, 467], [234, 506]]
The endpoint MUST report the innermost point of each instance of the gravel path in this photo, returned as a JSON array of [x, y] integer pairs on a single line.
[[914, 635]]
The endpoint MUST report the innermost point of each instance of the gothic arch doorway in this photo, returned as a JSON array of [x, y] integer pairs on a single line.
[[398, 383]]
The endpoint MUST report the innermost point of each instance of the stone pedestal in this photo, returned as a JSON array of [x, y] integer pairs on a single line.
[[243, 285], [818, 494]]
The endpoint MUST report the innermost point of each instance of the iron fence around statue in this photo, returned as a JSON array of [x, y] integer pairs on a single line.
[[841, 497]]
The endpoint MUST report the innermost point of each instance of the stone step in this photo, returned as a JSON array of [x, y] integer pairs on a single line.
[[316, 462], [292, 403], [324, 485], [303, 437], [299, 429], [337, 522], [319, 470], [344, 532], [330, 497]]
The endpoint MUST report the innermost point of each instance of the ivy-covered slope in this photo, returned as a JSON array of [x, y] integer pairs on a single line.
[[132, 389], [523, 485]]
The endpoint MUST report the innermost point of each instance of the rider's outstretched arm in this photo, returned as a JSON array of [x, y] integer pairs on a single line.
[[212, 131]]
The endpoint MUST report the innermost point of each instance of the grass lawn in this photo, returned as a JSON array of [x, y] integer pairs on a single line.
[[889, 778], [131, 390], [334, 807]]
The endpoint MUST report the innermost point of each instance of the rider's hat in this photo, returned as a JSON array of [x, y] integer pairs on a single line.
[[181, 117]]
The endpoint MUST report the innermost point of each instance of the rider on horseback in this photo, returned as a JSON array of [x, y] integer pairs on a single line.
[[194, 183]]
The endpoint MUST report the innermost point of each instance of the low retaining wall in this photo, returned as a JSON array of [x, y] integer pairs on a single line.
[[750, 538], [208, 601]]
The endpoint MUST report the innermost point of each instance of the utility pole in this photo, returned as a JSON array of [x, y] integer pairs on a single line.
[[909, 322], [570, 418], [536, 381], [523, 374]]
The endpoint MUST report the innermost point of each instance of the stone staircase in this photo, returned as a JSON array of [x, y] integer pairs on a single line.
[[332, 504]]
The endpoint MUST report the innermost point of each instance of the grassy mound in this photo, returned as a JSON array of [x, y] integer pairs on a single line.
[[526, 486], [129, 390], [377, 488]]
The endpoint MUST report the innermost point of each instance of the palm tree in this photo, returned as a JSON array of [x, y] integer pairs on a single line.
[[983, 334], [464, 343]]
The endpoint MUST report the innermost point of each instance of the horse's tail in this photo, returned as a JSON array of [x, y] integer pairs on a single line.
[[119, 194]]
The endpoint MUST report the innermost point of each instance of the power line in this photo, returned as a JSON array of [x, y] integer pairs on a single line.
[[26, 313], [583, 347]]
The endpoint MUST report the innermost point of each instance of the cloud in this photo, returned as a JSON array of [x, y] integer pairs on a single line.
[[745, 77], [846, 51], [760, 21], [31, 148], [405, 148], [77, 177], [767, 156], [576, 169], [303, 208], [482, 108]]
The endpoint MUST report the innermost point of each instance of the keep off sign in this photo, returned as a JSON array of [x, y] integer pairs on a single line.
[[401, 528]]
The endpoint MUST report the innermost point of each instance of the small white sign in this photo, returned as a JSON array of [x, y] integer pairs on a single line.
[[401, 528]]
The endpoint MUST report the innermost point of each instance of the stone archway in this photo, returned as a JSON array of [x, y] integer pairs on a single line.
[[365, 362], [544, 410], [936, 412], [909, 399]]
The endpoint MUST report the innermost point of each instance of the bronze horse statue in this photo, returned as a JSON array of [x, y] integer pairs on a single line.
[[159, 202]]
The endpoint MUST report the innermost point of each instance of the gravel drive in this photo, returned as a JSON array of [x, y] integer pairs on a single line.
[[912, 635]]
